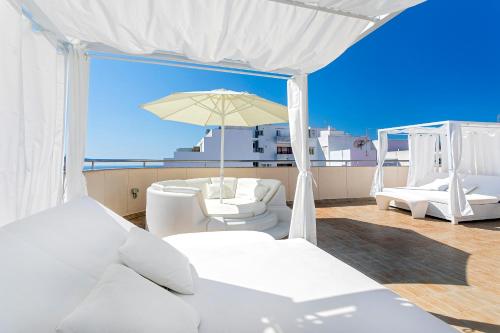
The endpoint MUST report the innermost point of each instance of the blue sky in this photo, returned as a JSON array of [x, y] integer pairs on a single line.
[[437, 61]]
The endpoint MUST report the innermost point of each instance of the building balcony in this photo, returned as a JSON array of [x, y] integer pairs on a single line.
[[282, 139]]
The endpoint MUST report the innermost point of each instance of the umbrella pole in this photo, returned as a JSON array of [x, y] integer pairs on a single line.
[[221, 171]]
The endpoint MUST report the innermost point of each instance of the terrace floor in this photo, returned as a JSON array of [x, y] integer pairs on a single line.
[[451, 271]]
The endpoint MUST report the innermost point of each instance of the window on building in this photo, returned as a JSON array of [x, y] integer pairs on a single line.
[[311, 150], [283, 150]]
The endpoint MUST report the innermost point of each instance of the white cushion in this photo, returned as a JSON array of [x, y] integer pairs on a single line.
[[36, 288], [231, 182], [157, 260], [212, 191], [252, 190], [228, 210], [273, 186], [260, 192], [81, 233], [123, 301], [438, 184]]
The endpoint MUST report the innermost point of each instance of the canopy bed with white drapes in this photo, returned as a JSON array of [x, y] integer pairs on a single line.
[[455, 165]]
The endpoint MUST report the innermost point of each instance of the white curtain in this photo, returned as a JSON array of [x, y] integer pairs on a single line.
[[303, 223], [480, 151], [378, 178], [31, 118], [78, 86], [423, 155], [458, 206]]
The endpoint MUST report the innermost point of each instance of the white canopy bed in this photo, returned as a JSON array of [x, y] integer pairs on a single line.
[[59, 262], [454, 169], [244, 281]]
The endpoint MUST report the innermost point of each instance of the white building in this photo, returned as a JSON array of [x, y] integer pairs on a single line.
[[269, 146]]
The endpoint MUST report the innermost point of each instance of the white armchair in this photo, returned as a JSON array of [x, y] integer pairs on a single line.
[[182, 206]]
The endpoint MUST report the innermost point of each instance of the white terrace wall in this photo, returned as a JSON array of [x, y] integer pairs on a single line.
[[113, 187]]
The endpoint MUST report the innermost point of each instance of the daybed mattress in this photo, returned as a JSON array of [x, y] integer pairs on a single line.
[[248, 282], [443, 196]]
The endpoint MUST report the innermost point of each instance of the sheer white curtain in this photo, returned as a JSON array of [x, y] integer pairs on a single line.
[[31, 117], [303, 223], [458, 206], [480, 151], [422, 149], [378, 178], [78, 86]]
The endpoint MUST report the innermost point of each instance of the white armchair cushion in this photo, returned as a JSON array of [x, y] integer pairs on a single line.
[[212, 191], [251, 190], [123, 301], [231, 182], [260, 192], [157, 260], [273, 186]]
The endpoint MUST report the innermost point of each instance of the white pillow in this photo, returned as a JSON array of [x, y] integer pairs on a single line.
[[157, 260], [251, 190], [438, 184], [123, 301], [212, 191], [260, 192]]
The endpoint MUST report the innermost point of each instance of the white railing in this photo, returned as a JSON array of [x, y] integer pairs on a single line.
[[130, 163]]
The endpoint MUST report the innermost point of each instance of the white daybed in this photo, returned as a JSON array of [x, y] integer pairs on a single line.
[[246, 281], [180, 206], [454, 171]]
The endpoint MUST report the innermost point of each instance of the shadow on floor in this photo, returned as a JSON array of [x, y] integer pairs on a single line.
[[492, 225], [470, 325], [344, 202], [392, 255]]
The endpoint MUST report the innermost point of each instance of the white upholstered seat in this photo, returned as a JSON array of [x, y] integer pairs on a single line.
[[179, 206]]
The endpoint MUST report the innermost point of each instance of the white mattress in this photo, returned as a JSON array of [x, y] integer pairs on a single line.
[[247, 282], [443, 196]]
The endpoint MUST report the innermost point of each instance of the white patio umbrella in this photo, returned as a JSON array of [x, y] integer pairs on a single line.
[[218, 108]]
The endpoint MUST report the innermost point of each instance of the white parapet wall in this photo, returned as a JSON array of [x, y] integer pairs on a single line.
[[113, 187]]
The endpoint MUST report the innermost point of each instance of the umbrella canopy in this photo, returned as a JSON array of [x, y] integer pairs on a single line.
[[218, 108]]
